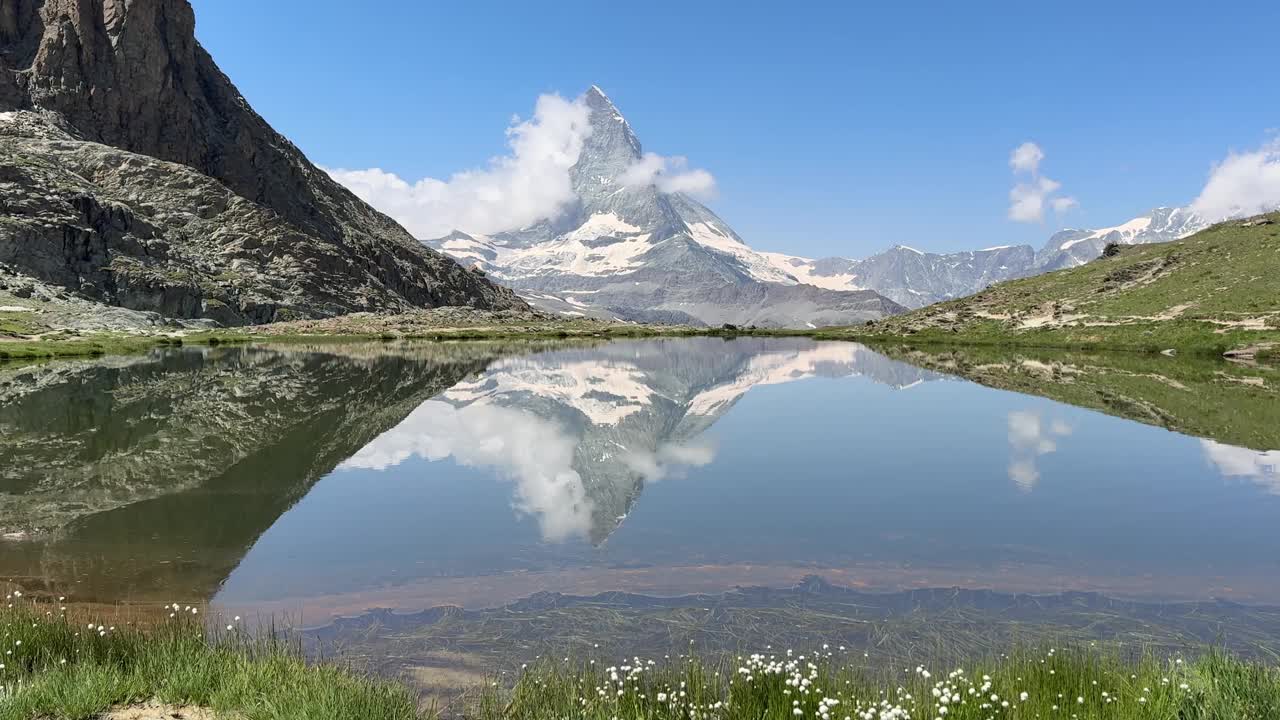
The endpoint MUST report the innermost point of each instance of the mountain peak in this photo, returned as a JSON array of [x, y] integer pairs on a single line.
[[596, 94], [608, 151]]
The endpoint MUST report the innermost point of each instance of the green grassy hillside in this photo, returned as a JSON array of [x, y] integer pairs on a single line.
[[1215, 291]]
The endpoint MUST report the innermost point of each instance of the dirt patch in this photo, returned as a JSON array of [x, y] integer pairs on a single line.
[[430, 677], [159, 711], [1251, 381], [1175, 311], [1050, 320]]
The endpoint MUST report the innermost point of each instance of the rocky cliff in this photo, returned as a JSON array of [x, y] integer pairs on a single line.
[[135, 173]]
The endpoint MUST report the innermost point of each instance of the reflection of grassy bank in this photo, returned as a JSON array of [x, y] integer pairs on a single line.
[[1228, 402], [53, 668], [1189, 337]]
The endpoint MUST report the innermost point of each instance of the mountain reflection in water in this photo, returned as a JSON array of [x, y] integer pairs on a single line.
[[410, 475], [580, 432]]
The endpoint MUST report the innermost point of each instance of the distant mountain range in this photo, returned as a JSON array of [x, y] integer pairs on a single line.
[[915, 278], [637, 253]]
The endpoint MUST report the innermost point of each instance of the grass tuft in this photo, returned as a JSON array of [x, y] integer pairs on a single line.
[[56, 668]]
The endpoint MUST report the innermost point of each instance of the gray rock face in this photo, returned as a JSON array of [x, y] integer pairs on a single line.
[[144, 179], [635, 252]]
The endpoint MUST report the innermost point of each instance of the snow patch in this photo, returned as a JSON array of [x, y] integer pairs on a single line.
[[602, 225], [802, 269], [757, 265], [1127, 231], [606, 394], [774, 369]]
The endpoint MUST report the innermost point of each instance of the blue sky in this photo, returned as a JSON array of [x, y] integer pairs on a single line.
[[831, 128]]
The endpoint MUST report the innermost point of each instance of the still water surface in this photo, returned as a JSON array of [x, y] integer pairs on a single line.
[[330, 481]]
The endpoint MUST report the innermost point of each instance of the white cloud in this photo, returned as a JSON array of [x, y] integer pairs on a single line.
[[1243, 184], [1028, 440], [516, 190], [670, 459], [536, 454], [1026, 158], [1028, 200], [1063, 204], [669, 174], [1261, 467]]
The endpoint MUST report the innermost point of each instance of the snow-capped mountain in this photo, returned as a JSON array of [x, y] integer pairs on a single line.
[[635, 252], [1070, 248], [915, 278], [632, 252], [912, 277]]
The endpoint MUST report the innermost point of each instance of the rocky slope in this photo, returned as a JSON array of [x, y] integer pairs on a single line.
[[635, 252], [134, 173]]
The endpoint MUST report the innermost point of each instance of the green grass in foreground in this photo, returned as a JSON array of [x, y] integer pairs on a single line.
[[1079, 684], [56, 669]]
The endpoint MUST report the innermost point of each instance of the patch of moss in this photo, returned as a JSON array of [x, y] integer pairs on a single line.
[[18, 323]]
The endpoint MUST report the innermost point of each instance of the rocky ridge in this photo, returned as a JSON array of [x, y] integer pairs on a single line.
[[133, 173]]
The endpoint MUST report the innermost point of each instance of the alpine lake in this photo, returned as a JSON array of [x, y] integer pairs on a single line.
[[440, 512]]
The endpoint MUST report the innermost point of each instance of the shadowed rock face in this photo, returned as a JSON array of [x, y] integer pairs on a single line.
[[128, 75], [154, 475]]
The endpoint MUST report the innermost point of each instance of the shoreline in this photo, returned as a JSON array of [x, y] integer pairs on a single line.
[[1235, 345]]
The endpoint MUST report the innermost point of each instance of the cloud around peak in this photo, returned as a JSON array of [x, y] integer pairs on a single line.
[[529, 184], [1034, 193], [669, 175]]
